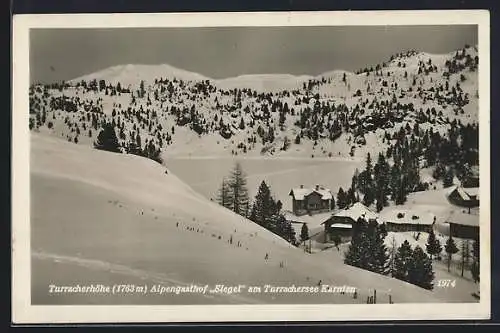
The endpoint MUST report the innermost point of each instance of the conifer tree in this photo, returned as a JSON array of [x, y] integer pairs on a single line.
[[267, 213], [394, 181], [263, 207], [369, 196], [224, 195], [402, 261], [356, 254], [392, 256], [367, 185], [238, 184], [350, 197], [433, 245], [381, 173], [283, 228], [107, 140], [142, 92], [420, 271], [377, 250], [451, 249], [341, 199]]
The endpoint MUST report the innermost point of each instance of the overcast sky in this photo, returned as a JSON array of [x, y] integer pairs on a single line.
[[64, 54]]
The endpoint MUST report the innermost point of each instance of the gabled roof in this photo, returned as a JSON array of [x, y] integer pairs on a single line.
[[356, 211], [465, 193], [301, 193], [472, 191]]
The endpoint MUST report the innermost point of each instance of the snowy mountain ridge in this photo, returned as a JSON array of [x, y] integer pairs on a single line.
[[132, 74], [338, 114]]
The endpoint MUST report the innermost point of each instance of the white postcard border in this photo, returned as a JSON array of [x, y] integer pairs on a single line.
[[24, 312]]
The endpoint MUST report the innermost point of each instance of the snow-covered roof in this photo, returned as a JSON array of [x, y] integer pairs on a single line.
[[312, 221], [465, 193], [472, 191], [451, 189], [356, 211], [341, 226], [458, 217], [301, 193], [406, 216]]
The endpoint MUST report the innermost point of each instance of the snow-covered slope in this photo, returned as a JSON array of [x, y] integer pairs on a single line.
[[263, 82], [114, 218], [132, 74], [334, 114]]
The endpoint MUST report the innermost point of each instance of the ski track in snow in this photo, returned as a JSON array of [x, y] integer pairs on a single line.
[[132, 272]]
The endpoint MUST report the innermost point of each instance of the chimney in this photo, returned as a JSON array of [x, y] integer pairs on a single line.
[[301, 186], [317, 187]]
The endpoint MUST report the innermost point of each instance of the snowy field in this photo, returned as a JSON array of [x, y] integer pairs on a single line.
[[99, 217]]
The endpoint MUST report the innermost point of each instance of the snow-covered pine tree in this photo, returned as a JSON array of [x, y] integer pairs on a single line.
[[367, 184], [451, 249], [402, 261], [381, 175], [394, 181], [263, 206], [356, 254], [392, 256], [377, 251], [107, 140], [237, 182], [341, 199], [369, 196], [433, 246], [420, 271], [281, 227], [350, 197], [224, 196]]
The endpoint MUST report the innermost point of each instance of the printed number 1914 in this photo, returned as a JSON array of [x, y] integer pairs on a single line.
[[446, 283]]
